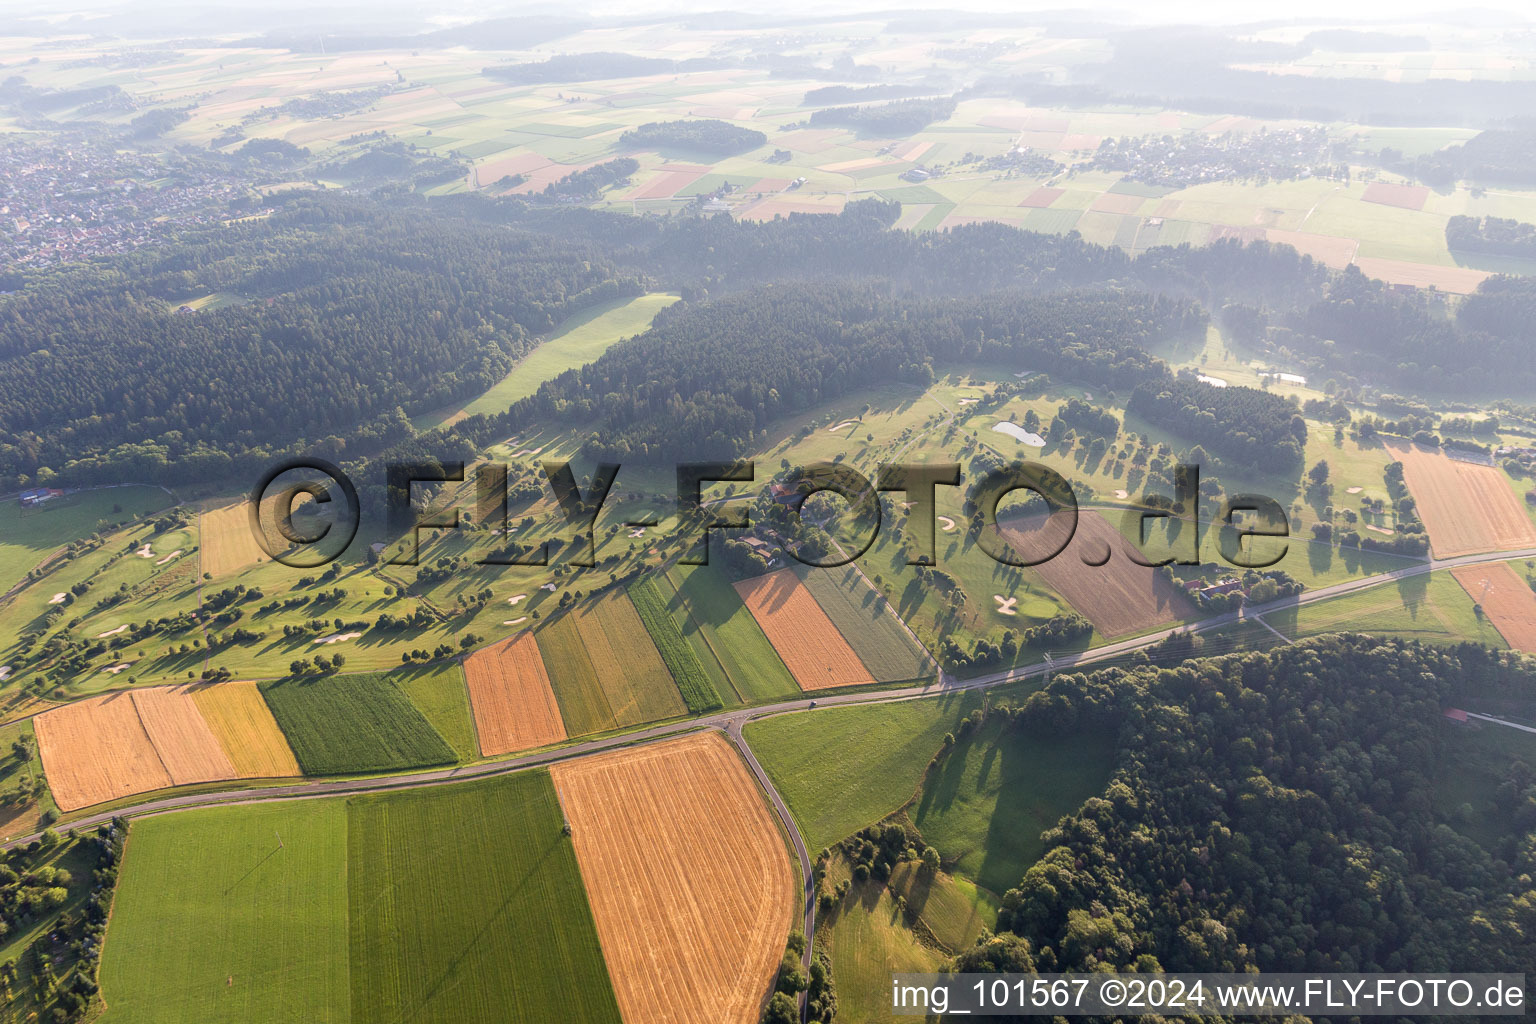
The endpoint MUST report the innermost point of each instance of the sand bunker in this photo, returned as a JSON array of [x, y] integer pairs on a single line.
[[335, 638], [1378, 529], [517, 598], [1006, 605], [169, 557], [1122, 493], [841, 426], [57, 598], [549, 587], [5, 670], [146, 551], [946, 524], [115, 669], [513, 622], [113, 632], [969, 401], [1353, 490], [1215, 382], [1018, 433]]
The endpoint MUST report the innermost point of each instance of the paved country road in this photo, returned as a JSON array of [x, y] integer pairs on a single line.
[[732, 722]]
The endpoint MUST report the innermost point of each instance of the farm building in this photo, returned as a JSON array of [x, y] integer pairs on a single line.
[[39, 496]]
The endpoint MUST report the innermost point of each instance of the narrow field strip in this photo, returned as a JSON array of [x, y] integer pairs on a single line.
[[512, 698]]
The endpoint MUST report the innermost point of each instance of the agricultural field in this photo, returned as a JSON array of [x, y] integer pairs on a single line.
[[864, 618], [246, 729], [689, 878], [96, 750], [723, 634], [29, 535], [432, 935], [1505, 598], [441, 695], [186, 746], [228, 545], [232, 915], [840, 769], [578, 340], [992, 796], [635, 680], [339, 910], [1466, 508], [1432, 607], [693, 682], [1096, 573], [513, 701], [816, 653], [343, 725]]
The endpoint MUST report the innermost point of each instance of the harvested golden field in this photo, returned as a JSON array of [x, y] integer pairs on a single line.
[[690, 884], [1118, 596], [1457, 280], [1466, 507], [513, 702], [245, 728], [227, 544], [815, 652], [1507, 600], [187, 747], [96, 750]]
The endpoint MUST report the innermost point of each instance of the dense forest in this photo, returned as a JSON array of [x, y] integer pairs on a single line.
[[899, 118], [1248, 426], [1497, 236], [707, 380], [706, 136], [328, 301], [353, 314], [1286, 812]]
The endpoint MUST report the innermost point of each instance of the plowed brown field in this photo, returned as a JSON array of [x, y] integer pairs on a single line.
[[187, 747], [246, 730], [1466, 507], [815, 652], [95, 750], [1507, 600], [1120, 596], [514, 704], [690, 884]]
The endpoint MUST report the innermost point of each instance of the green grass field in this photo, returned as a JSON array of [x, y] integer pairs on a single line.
[[440, 694], [344, 725], [27, 535], [693, 682], [710, 616], [843, 768], [869, 939], [216, 923], [953, 909], [467, 906], [1432, 607], [583, 702], [861, 615], [985, 807], [578, 340], [412, 906]]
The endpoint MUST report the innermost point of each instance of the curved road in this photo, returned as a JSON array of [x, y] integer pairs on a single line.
[[732, 722]]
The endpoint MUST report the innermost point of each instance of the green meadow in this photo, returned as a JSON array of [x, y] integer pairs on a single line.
[[461, 905], [578, 340]]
